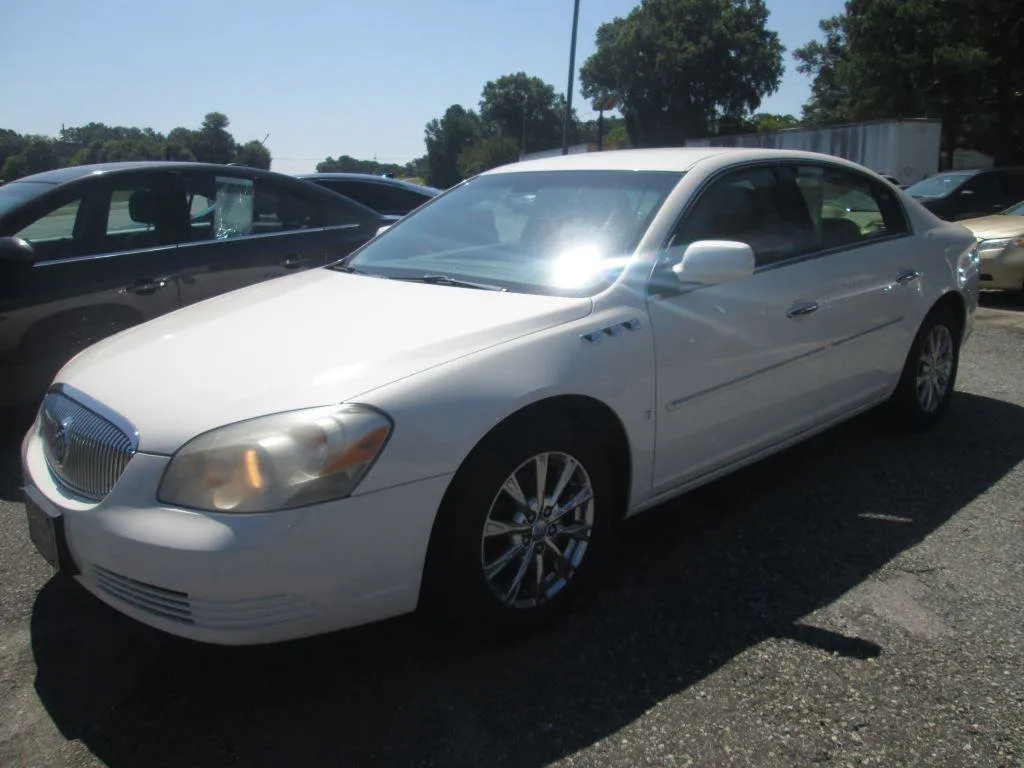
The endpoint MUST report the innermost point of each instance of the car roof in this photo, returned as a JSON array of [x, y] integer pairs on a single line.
[[673, 159], [62, 175], [370, 178]]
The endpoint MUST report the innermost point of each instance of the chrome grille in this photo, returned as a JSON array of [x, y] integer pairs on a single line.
[[85, 451]]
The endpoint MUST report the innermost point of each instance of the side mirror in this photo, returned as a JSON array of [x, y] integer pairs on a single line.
[[710, 262], [14, 250]]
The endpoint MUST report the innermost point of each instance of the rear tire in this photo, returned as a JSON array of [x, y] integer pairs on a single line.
[[506, 558], [929, 375]]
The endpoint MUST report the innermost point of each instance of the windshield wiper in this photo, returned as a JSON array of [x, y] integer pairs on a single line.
[[452, 281]]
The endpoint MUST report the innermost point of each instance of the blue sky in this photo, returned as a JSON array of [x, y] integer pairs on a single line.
[[323, 77]]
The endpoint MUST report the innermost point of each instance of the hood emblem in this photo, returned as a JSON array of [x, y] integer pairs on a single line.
[[60, 440]]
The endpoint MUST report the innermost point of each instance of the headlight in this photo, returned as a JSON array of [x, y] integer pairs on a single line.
[[277, 462], [992, 247]]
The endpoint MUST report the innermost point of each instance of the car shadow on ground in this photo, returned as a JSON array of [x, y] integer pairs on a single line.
[[696, 582]]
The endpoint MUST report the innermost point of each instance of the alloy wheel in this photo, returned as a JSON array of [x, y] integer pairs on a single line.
[[934, 368], [537, 530]]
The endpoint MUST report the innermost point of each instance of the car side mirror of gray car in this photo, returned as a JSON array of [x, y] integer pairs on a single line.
[[710, 262], [15, 251]]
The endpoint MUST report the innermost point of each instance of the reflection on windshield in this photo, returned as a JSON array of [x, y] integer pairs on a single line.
[[937, 186], [566, 233]]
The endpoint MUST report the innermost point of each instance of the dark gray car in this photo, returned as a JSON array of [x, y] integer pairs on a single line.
[[88, 251], [381, 193]]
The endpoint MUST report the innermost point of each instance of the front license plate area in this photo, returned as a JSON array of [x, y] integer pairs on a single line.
[[47, 534]]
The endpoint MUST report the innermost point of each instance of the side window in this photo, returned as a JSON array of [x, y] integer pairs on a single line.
[[135, 214], [53, 235], [982, 192], [282, 209], [1013, 187], [754, 206], [847, 208], [220, 207]]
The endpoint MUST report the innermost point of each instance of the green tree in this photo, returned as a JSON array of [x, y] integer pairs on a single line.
[[39, 154], [958, 60], [445, 139], [487, 154], [764, 121], [212, 143], [524, 109], [682, 67], [254, 155]]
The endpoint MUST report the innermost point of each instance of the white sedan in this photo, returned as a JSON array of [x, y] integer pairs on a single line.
[[460, 412]]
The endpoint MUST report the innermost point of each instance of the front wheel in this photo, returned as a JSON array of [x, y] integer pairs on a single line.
[[929, 374], [522, 529]]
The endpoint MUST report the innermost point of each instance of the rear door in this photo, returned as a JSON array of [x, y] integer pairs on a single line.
[[869, 298], [105, 261], [244, 229]]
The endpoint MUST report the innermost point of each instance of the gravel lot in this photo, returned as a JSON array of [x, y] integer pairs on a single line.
[[855, 601]]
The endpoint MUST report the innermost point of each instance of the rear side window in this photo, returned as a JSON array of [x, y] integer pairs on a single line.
[[847, 208]]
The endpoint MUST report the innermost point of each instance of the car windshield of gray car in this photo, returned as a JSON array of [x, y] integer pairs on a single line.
[[565, 233]]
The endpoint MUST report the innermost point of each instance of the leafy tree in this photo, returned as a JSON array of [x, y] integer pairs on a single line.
[[254, 155], [524, 109], [446, 138], [348, 164], [212, 143], [11, 143], [39, 155], [487, 154], [764, 121], [958, 60], [822, 61], [683, 66]]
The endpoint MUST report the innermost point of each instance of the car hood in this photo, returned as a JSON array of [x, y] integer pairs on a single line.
[[988, 227], [312, 339]]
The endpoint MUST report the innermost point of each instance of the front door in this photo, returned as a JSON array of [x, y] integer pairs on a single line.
[[736, 361], [105, 261]]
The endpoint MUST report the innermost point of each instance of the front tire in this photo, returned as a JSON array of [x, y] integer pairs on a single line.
[[929, 374], [523, 528]]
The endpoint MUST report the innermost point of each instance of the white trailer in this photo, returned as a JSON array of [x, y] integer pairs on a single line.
[[905, 149]]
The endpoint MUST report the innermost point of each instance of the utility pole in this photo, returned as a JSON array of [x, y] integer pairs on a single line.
[[572, 72]]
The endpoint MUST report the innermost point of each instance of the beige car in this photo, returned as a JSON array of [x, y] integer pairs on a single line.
[[1001, 248]]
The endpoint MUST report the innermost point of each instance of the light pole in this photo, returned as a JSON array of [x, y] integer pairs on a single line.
[[572, 71]]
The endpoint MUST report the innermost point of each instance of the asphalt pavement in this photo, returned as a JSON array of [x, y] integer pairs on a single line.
[[854, 601]]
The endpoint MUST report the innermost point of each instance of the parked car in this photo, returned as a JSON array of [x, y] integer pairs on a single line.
[[458, 414], [956, 195], [88, 251], [381, 193], [1001, 249]]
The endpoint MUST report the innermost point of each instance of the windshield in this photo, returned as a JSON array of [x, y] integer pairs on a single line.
[[17, 192], [565, 233], [1015, 210], [938, 186]]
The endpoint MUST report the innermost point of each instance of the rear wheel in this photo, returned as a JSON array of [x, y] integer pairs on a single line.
[[929, 374], [523, 528]]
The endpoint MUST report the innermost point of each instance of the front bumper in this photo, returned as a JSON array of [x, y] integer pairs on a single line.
[[242, 579]]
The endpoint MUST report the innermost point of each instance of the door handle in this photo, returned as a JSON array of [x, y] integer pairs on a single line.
[[907, 276], [292, 262], [800, 308], [146, 286]]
